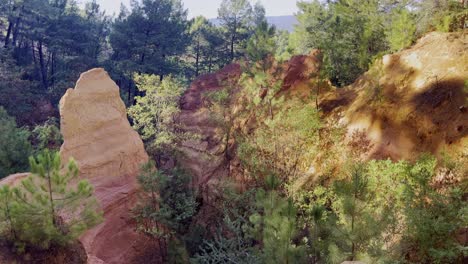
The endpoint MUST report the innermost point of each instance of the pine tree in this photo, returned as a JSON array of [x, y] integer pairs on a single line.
[[8, 220], [154, 115], [402, 30], [261, 44], [349, 34], [433, 216], [207, 46], [14, 146], [233, 242], [52, 208], [276, 226], [165, 213], [149, 39], [236, 17], [220, 106], [360, 222]]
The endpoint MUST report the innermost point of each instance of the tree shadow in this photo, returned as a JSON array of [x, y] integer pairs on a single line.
[[407, 119]]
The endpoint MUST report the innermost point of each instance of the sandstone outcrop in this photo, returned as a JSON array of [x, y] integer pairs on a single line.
[[14, 180], [408, 103], [412, 101], [109, 153], [204, 156]]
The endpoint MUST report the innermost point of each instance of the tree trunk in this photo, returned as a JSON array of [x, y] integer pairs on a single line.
[[10, 220], [51, 199], [33, 49], [16, 29], [11, 26], [7, 38], [197, 59], [232, 48], [129, 91], [43, 66], [52, 69], [210, 65], [17, 25], [317, 97], [233, 39]]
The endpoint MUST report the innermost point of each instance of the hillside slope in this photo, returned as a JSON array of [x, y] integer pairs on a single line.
[[408, 103], [413, 101]]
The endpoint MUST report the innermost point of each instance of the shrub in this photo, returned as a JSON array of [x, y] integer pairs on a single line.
[[48, 208], [166, 212], [14, 146], [47, 135]]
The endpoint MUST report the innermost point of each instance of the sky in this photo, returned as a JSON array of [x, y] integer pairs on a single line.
[[209, 8]]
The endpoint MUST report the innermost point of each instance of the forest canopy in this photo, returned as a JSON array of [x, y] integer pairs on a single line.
[[291, 184]]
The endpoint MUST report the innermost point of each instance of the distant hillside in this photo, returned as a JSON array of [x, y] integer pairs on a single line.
[[281, 22]]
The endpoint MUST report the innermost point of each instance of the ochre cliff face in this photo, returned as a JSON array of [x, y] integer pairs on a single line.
[[414, 101], [204, 156], [96, 131], [109, 154], [408, 103]]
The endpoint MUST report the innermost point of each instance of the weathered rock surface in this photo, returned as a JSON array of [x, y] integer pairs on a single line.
[[204, 156], [412, 101], [96, 131], [14, 180], [408, 103], [109, 154]]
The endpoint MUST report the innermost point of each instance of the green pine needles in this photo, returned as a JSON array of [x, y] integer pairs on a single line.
[[50, 207]]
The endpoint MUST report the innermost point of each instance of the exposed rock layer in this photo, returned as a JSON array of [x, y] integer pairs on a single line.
[[204, 156], [408, 103], [413, 101], [109, 153]]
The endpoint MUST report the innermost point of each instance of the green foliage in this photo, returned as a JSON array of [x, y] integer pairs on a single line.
[[384, 212], [352, 33], [8, 218], [148, 38], [284, 51], [432, 216], [276, 226], [47, 135], [220, 106], [349, 34], [360, 221], [239, 20], [14, 146], [173, 197], [154, 114], [262, 43], [19, 93], [206, 48], [53, 42], [284, 140], [48, 208], [177, 252], [260, 226], [166, 211], [235, 16], [233, 242], [402, 30], [445, 15]]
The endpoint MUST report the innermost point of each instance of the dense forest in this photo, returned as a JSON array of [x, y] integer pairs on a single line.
[[362, 209]]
